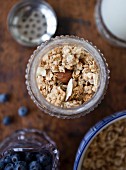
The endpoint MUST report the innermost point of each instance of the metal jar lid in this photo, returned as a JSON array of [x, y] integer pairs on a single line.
[[32, 22]]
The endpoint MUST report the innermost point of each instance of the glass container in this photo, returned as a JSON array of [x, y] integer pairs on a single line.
[[30, 140], [57, 111]]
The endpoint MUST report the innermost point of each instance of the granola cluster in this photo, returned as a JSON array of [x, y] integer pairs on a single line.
[[67, 76], [108, 149]]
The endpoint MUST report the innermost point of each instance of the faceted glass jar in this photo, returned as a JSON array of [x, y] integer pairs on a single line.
[[38, 98], [103, 30], [30, 140]]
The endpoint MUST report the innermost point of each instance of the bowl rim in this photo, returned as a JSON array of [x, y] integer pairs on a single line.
[[93, 131]]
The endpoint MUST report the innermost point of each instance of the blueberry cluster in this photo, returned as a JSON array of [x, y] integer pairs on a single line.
[[22, 111], [26, 161]]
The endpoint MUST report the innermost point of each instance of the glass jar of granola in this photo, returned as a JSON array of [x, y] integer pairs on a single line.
[[67, 77]]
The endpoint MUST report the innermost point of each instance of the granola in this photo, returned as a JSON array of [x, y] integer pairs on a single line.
[[67, 76], [107, 151]]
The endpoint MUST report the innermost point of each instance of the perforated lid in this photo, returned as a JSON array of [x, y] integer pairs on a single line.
[[32, 22]]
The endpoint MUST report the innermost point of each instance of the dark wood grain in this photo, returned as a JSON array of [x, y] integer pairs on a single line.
[[74, 17]]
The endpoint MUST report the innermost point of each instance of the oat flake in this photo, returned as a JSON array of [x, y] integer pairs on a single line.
[[41, 71]]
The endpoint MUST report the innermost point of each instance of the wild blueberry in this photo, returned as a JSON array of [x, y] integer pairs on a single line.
[[44, 158], [3, 97], [7, 159], [6, 120], [34, 165], [29, 156], [15, 158], [20, 165], [49, 167], [2, 164], [9, 167], [22, 111]]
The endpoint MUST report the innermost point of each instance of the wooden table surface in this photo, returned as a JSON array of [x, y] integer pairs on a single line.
[[74, 17]]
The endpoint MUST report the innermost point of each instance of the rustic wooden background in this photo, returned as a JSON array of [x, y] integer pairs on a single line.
[[74, 17]]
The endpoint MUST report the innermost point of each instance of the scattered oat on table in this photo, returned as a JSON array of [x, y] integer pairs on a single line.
[[67, 76], [107, 151]]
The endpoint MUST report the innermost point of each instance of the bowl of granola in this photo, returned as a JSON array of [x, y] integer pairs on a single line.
[[67, 77], [104, 145]]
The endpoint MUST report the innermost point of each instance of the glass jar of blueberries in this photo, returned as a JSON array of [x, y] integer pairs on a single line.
[[28, 149]]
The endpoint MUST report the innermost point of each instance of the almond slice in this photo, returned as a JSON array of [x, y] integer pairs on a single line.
[[69, 89], [41, 71]]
